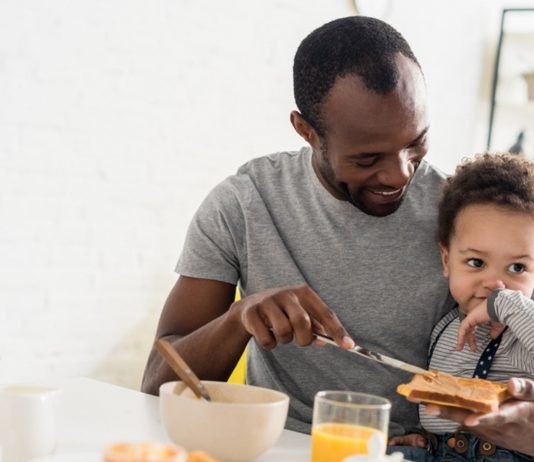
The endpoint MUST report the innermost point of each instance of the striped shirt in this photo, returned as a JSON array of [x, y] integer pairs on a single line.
[[514, 358]]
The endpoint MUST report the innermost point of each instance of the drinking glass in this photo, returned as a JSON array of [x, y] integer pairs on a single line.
[[347, 423]]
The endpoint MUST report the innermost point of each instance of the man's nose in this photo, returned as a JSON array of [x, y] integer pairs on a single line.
[[397, 172]]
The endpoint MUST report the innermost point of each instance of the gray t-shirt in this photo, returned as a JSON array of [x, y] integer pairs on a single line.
[[273, 224]]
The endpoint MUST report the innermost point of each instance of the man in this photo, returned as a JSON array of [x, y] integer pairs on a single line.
[[336, 238]]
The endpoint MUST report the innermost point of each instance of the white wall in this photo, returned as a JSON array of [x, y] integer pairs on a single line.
[[455, 42], [116, 118]]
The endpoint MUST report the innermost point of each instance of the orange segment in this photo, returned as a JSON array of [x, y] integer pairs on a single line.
[[200, 456], [143, 452]]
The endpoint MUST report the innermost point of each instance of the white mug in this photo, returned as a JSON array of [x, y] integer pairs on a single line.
[[27, 422]]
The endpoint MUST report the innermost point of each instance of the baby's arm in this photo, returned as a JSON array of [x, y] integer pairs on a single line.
[[508, 308], [516, 311]]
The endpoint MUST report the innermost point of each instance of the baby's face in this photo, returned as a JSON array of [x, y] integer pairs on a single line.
[[491, 247]]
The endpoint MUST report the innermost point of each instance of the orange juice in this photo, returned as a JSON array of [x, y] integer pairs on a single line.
[[332, 442]]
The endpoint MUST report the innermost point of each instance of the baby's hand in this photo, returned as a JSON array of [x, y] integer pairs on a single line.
[[412, 439], [466, 331]]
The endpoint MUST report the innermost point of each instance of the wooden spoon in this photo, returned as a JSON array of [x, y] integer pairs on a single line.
[[178, 365]]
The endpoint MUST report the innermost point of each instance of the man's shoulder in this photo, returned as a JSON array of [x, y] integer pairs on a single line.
[[430, 174], [424, 193], [275, 163], [271, 174], [268, 176]]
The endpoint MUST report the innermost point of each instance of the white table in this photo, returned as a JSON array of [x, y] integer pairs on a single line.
[[94, 414]]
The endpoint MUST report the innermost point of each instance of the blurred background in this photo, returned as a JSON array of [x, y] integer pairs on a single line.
[[117, 118]]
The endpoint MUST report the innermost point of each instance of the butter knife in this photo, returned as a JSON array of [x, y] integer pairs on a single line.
[[377, 357]]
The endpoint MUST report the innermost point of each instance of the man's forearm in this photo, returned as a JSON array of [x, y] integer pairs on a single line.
[[211, 351]]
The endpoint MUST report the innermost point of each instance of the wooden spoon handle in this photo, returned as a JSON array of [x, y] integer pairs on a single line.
[[178, 365]]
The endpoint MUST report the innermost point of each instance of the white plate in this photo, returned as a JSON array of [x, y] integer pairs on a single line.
[[72, 457]]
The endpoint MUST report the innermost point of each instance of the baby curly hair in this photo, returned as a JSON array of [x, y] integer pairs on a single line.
[[504, 180]]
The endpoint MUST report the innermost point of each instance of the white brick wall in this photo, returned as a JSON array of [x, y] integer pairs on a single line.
[[116, 118]]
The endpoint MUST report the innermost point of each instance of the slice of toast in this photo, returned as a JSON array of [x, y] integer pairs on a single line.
[[477, 395]]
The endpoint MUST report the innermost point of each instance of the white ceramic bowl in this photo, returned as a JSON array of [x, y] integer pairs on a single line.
[[240, 423]]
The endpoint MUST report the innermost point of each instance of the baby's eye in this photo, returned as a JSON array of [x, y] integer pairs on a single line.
[[516, 268], [475, 262]]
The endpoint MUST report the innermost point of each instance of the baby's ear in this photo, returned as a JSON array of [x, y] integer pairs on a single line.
[[444, 252]]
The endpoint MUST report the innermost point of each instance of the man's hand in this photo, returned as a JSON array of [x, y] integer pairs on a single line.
[[281, 315], [412, 439], [466, 331], [512, 426]]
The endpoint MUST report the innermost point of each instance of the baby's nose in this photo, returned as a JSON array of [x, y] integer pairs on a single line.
[[494, 283]]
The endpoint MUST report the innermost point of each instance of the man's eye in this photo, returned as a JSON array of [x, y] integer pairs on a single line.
[[475, 262], [516, 268], [369, 162], [418, 144]]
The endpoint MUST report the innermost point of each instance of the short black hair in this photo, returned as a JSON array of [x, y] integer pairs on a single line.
[[357, 45]]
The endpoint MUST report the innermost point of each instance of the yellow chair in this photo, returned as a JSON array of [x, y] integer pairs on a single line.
[[240, 371]]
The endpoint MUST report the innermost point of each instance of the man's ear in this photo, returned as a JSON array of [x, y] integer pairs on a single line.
[[305, 130], [444, 252]]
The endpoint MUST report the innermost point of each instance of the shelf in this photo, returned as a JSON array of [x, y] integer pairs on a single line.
[[518, 115], [511, 109]]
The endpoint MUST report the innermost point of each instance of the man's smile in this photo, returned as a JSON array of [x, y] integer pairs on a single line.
[[383, 196]]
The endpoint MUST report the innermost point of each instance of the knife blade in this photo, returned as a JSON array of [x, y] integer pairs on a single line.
[[378, 357]]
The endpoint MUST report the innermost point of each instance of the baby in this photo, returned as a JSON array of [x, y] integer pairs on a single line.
[[486, 240]]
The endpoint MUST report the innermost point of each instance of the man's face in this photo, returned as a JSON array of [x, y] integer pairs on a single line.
[[490, 248], [373, 143]]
